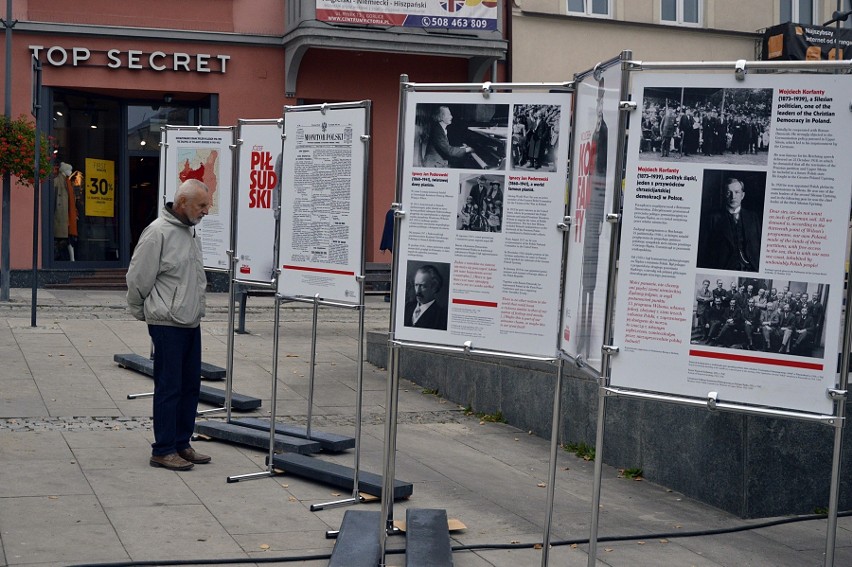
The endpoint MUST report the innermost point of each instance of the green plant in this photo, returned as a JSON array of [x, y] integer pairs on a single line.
[[820, 510], [632, 474], [581, 450], [430, 391], [496, 417], [17, 150]]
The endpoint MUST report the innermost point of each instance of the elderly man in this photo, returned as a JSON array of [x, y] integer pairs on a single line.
[[165, 288], [426, 311], [439, 152]]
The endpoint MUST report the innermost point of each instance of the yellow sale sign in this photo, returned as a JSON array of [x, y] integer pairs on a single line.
[[100, 188]]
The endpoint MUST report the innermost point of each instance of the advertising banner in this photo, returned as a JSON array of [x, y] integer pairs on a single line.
[[322, 203], [593, 183], [732, 252], [203, 153], [258, 186], [442, 14], [484, 183], [100, 187], [801, 42]]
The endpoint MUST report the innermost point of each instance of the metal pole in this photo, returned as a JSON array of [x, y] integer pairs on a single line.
[[551, 474], [389, 473], [7, 178], [312, 374], [270, 469], [229, 364], [36, 186]]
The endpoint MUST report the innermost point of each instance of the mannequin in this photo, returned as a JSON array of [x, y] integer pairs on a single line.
[[65, 211], [60, 211]]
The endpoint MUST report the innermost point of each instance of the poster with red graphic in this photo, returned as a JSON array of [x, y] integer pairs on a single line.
[[322, 201], [468, 15], [593, 187], [203, 153], [258, 185], [732, 255], [480, 247]]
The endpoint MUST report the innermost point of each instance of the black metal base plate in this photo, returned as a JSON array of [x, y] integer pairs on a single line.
[[357, 543], [338, 475], [330, 442], [254, 438], [145, 365]]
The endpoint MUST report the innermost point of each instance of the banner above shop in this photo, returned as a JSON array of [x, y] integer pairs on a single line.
[[442, 14], [798, 42]]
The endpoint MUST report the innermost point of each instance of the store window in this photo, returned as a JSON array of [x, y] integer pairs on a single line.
[[143, 148], [799, 11], [597, 8], [683, 12], [83, 201]]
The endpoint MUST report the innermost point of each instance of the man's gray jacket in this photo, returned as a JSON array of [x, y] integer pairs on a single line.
[[166, 280]]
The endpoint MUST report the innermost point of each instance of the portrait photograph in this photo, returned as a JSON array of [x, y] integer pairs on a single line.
[[731, 227], [426, 295]]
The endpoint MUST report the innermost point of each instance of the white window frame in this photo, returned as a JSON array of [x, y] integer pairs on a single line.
[[794, 11], [679, 19], [587, 5]]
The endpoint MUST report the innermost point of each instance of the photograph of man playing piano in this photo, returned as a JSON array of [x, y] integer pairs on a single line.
[[461, 136], [535, 136]]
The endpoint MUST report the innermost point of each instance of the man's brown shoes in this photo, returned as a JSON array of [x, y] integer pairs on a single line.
[[172, 461], [190, 455]]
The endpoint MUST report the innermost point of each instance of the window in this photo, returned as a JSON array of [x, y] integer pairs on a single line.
[[684, 12], [597, 8], [799, 11]]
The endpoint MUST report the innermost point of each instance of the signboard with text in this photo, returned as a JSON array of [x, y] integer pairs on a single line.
[[258, 185], [321, 242], [733, 240], [100, 187], [203, 153], [442, 14], [480, 248], [593, 181]]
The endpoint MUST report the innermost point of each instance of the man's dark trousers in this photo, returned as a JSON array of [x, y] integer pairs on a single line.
[[177, 381]]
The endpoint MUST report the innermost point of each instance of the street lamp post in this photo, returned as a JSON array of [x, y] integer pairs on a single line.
[[8, 23]]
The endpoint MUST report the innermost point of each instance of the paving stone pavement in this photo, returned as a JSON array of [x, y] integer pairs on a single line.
[[76, 488]]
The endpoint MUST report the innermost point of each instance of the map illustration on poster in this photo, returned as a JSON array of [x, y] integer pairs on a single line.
[[593, 184], [732, 255], [480, 246], [203, 153], [321, 248]]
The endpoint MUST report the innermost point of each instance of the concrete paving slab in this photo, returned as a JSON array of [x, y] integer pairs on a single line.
[[41, 477]]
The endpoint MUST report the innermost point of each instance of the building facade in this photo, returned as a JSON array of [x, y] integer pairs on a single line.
[[574, 35], [113, 73]]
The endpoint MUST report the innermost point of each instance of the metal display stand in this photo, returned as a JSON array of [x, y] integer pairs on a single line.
[[610, 350], [395, 345], [316, 301]]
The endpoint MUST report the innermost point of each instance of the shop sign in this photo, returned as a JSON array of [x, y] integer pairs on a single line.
[[134, 59]]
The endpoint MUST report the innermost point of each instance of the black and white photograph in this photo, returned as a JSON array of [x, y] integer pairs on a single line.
[[706, 125], [461, 136], [480, 204], [730, 232], [760, 314], [535, 136], [426, 295]]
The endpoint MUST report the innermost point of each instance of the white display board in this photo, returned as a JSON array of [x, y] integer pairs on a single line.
[[484, 183], [203, 153], [761, 202], [593, 185], [258, 186], [322, 202]]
